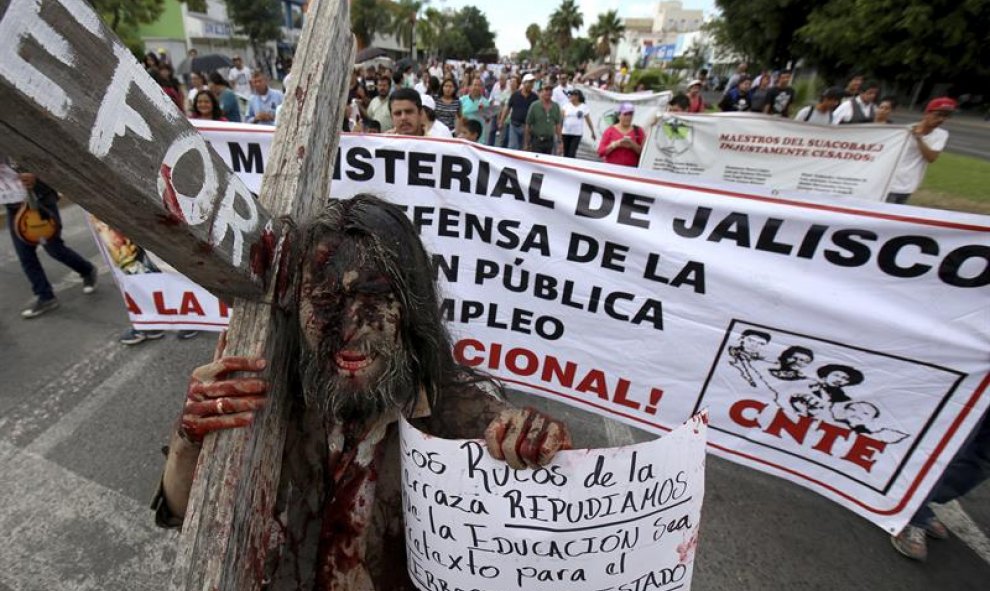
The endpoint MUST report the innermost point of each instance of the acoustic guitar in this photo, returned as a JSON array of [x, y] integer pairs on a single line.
[[32, 223]]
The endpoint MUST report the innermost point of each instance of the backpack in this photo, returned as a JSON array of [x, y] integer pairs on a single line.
[[811, 110]]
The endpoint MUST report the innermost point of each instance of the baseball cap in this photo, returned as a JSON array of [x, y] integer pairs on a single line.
[[529, 78], [626, 108], [428, 101], [693, 83], [943, 103]]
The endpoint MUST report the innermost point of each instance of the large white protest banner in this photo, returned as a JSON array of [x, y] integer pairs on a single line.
[[603, 108], [620, 519], [808, 326], [787, 157]]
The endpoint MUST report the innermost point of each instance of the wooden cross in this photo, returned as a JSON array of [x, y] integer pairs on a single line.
[[80, 111]]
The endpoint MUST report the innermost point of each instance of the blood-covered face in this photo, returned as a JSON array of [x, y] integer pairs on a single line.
[[354, 362]]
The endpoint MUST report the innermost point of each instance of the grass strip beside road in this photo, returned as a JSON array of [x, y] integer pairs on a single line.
[[956, 182]]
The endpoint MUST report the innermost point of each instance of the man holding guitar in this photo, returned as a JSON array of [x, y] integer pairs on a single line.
[[33, 219]]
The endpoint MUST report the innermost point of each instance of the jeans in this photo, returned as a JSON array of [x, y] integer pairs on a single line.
[[966, 471], [516, 136], [571, 143], [28, 254], [497, 135]]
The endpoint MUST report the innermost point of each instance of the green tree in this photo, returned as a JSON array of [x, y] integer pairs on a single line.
[[607, 31], [125, 17], [259, 20], [454, 44], [565, 19], [907, 40], [533, 33], [764, 31], [403, 21], [581, 50], [123, 14], [368, 17], [474, 24], [431, 29]]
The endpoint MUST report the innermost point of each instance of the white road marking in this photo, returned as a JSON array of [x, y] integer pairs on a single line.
[[63, 532], [102, 394], [69, 382], [960, 523]]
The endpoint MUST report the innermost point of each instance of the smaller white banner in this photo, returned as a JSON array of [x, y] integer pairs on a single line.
[[169, 301], [790, 158], [618, 519], [604, 106]]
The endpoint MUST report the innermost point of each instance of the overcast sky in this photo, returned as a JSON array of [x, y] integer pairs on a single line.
[[509, 18]]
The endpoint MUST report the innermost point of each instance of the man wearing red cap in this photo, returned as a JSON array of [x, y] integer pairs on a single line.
[[928, 142]]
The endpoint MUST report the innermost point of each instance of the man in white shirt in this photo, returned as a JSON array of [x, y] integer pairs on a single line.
[[378, 108], [498, 98], [562, 92], [927, 142], [240, 77], [861, 109]]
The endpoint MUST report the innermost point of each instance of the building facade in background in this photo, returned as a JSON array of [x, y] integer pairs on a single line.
[[180, 29], [669, 33]]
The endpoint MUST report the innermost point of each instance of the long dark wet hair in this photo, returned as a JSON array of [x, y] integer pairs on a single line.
[[394, 246]]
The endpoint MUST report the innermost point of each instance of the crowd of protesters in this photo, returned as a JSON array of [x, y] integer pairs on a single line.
[[539, 109], [534, 110]]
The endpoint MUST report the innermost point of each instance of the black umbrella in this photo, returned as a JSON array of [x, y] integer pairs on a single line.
[[205, 63], [369, 53]]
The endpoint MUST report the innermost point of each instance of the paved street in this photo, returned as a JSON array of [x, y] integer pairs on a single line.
[[82, 419], [968, 135]]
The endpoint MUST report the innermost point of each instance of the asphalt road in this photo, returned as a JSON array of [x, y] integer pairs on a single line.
[[82, 419], [969, 136]]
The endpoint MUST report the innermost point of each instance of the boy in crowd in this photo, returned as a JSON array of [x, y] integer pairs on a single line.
[[822, 112]]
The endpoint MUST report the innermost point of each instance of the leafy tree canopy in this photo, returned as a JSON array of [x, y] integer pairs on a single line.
[[368, 17], [906, 40], [260, 20], [474, 24], [763, 31]]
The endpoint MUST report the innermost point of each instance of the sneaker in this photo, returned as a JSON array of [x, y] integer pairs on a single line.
[[911, 542], [136, 337], [39, 307], [185, 335], [936, 529], [89, 281]]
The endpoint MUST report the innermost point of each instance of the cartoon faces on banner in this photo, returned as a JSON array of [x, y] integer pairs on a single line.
[[805, 397]]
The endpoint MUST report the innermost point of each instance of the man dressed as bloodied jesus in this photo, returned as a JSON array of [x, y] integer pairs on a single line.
[[367, 345]]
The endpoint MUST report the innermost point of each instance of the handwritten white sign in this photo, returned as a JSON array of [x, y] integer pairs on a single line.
[[621, 519]]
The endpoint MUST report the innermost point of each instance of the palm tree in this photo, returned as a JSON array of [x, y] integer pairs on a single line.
[[403, 24], [533, 33], [368, 17], [607, 32], [431, 28], [565, 19]]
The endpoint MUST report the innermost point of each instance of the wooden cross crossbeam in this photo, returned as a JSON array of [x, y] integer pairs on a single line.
[[81, 112]]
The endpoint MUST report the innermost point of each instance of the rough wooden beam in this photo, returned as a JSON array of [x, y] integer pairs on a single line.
[[224, 539], [83, 114]]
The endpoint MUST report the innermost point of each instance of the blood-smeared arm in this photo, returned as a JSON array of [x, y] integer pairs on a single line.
[[214, 401]]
